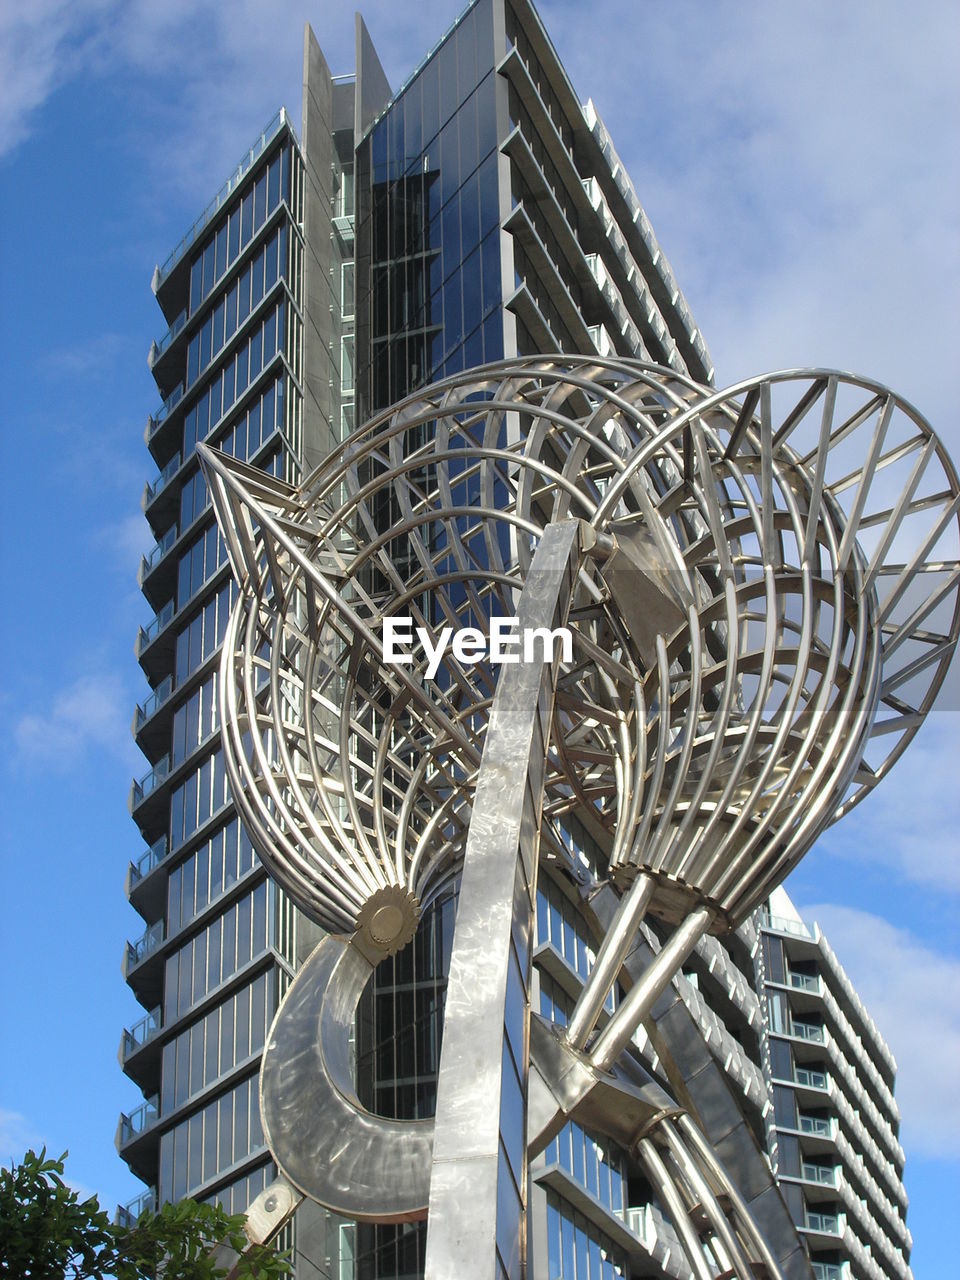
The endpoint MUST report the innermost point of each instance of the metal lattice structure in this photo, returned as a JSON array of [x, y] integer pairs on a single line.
[[762, 590]]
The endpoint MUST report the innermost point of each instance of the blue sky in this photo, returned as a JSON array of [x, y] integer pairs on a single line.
[[799, 165]]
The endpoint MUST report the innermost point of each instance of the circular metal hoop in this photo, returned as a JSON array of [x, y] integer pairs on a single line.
[[769, 621]]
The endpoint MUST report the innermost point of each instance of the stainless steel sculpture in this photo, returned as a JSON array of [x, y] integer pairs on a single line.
[[762, 587]]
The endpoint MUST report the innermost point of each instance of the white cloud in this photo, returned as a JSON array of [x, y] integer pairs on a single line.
[[92, 712], [913, 994], [911, 823], [17, 1135], [91, 358], [42, 45], [125, 541], [797, 164]]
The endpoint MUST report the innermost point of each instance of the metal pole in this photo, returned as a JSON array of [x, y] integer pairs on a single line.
[[641, 997], [478, 1177], [613, 951]]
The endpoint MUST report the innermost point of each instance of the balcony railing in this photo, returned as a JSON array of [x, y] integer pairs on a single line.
[[150, 706], [258, 148], [784, 925], [145, 945], [817, 1125], [824, 1175], [149, 782], [828, 1270], [146, 1202], [139, 1121], [808, 1031], [162, 480], [156, 555], [343, 225], [158, 348], [157, 419], [828, 1223], [146, 635], [805, 982], [811, 1079], [136, 1037], [148, 860]]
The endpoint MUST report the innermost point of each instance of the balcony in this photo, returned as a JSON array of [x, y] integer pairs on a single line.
[[343, 225], [811, 1079], [146, 635], [156, 420], [808, 1031], [138, 1122], [823, 1175], [150, 706], [137, 1138], [152, 491], [149, 562], [128, 1214], [155, 643], [826, 1224], [817, 1126], [143, 965], [780, 924], [804, 982], [150, 728], [139, 1034], [142, 948], [147, 893], [147, 785], [141, 1051], [157, 574], [159, 349], [828, 1270], [148, 860]]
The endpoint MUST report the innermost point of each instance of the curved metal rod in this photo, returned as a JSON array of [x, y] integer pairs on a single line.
[[668, 1192], [700, 1188], [745, 1223], [323, 1139]]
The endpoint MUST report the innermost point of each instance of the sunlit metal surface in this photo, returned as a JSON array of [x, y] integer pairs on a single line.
[[764, 618]]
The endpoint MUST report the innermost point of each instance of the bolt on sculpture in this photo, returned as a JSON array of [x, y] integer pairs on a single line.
[[762, 588]]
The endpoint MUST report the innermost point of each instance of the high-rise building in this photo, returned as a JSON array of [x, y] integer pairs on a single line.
[[478, 213], [832, 1131], [221, 941]]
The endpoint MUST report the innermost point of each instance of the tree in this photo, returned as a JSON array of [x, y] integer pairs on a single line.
[[48, 1233]]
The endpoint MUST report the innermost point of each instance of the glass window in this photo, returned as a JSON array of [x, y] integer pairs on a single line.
[[234, 234], [260, 202], [347, 289], [346, 362], [257, 279], [196, 283], [221, 253], [273, 184], [208, 268]]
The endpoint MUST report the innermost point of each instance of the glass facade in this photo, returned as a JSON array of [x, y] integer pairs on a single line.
[[223, 938], [428, 219]]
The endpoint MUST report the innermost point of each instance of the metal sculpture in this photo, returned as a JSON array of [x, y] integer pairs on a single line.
[[761, 585]]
